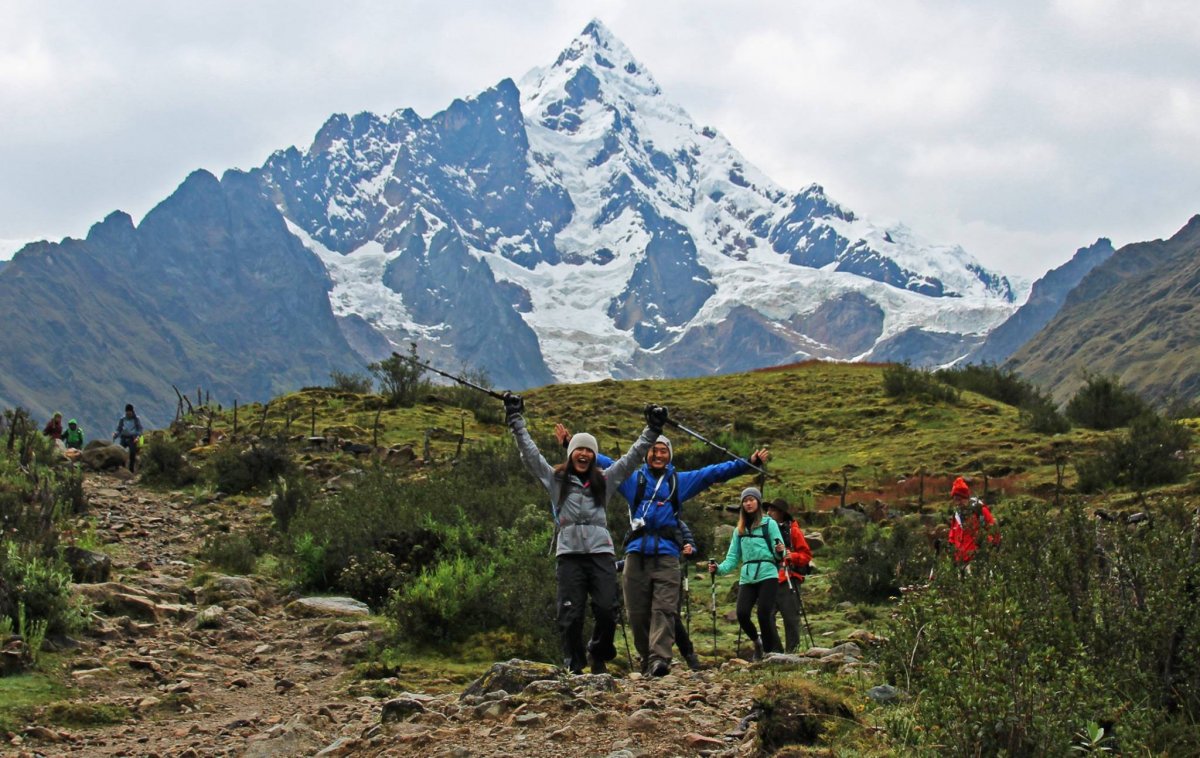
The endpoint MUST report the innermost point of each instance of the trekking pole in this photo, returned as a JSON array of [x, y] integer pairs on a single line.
[[687, 603], [715, 446], [712, 578], [452, 377], [625, 636], [804, 615]]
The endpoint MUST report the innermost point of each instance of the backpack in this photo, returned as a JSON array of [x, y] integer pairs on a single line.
[[672, 533], [762, 532]]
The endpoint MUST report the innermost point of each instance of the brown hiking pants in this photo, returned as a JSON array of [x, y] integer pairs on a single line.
[[651, 584]]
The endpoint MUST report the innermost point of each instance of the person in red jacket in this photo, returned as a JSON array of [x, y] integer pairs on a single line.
[[971, 517], [795, 567], [53, 428]]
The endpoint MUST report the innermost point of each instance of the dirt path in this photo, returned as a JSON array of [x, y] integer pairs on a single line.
[[224, 666]]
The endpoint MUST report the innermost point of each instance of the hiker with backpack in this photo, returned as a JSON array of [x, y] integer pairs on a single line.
[[73, 435], [586, 566], [757, 546], [971, 519], [796, 559], [129, 432], [653, 546], [53, 428]]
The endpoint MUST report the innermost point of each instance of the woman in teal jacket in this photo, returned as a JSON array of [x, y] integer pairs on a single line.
[[757, 545]]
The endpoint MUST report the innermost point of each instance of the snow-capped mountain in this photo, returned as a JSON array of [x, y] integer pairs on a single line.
[[580, 225]]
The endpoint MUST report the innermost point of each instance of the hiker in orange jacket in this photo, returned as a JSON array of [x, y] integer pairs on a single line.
[[971, 516], [794, 567]]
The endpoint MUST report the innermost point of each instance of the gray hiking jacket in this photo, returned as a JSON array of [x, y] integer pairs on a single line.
[[582, 522]]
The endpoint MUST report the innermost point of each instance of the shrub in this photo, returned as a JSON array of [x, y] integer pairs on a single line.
[[1071, 622], [359, 384], [1152, 452], [36, 589], [991, 381], [400, 379], [880, 560], [446, 602], [292, 494], [1041, 416], [235, 471], [163, 463], [235, 553], [1104, 403], [370, 577], [902, 381]]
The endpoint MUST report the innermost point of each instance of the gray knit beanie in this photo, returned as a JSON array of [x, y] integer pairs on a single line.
[[667, 442], [582, 439], [753, 492]]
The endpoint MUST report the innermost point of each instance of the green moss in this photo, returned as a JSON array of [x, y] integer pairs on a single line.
[[76, 713], [21, 695]]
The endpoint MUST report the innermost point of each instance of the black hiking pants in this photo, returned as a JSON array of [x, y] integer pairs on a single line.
[[131, 444], [581, 575], [761, 594]]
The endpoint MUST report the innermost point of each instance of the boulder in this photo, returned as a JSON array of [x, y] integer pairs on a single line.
[[884, 693], [87, 567], [511, 676], [105, 457], [328, 606], [223, 588]]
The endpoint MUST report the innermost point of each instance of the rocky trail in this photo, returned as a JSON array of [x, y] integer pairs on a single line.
[[214, 665]]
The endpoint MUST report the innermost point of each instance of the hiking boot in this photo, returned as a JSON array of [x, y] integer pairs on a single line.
[[693, 661], [758, 651], [597, 664], [659, 668]]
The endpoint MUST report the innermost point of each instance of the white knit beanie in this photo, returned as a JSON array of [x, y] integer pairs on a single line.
[[582, 439]]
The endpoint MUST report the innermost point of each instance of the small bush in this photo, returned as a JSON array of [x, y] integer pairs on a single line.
[[447, 602], [370, 578], [164, 464], [36, 589], [902, 381], [359, 384], [1041, 416], [1104, 403], [399, 379], [235, 553], [991, 381], [236, 471], [1153, 452], [880, 561], [292, 495]]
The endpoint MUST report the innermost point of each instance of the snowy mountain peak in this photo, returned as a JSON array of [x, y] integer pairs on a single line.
[[586, 217]]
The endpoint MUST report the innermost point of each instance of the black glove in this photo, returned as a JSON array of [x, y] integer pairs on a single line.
[[656, 417], [514, 405]]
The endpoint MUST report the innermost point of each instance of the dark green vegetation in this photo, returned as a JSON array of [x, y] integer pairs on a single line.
[[437, 526]]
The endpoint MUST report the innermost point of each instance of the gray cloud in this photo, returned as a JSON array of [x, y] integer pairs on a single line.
[[1020, 131]]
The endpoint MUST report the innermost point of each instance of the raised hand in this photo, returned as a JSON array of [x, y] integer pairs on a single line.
[[514, 405], [656, 416]]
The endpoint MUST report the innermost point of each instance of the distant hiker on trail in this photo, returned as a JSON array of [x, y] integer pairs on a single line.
[[129, 431], [798, 556], [971, 517], [652, 578], [73, 436], [757, 546], [579, 491], [53, 428]]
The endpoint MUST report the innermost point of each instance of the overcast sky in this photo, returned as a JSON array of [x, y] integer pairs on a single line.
[[1021, 130]]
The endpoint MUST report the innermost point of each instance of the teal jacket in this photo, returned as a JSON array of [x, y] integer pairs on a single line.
[[755, 551]]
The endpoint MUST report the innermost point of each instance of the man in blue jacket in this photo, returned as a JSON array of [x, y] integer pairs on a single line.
[[652, 579]]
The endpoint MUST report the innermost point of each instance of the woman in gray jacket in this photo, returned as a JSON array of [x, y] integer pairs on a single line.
[[579, 491]]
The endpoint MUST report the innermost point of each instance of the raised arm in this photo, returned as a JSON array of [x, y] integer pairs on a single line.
[[692, 483]]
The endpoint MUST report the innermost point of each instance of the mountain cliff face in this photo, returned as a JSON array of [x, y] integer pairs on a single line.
[[210, 289], [575, 226], [1045, 300], [1135, 316]]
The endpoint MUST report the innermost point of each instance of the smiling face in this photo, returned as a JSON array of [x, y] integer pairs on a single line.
[[581, 459], [658, 457]]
